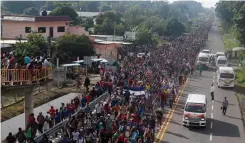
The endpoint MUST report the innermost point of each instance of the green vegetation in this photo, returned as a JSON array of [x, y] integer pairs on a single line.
[[144, 17], [35, 46], [70, 45], [240, 77], [66, 47], [65, 10], [232, 16], [241, 100], [230, 42]]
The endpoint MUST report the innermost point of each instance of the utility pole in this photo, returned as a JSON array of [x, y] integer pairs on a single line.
[[114, 33], [49, 46]]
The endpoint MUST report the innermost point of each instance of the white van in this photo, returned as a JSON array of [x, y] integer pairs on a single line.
[[219, 54], [206, 51], [225, 77], [203, 59], [195, 110], [221, 62]]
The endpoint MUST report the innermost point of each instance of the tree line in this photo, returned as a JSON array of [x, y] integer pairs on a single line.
[[149, 20], [232, 16]]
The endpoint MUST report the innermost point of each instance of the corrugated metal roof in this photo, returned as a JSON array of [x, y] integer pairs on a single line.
[[82, 14], [111, 42]]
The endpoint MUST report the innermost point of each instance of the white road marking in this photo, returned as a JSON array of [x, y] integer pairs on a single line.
[[211, 137], [212, 107], [212, 115], [211, 125], [212, 101], [213, 80]]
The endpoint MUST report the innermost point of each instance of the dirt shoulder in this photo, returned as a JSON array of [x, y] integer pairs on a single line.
[[241, 100], [38, 99]]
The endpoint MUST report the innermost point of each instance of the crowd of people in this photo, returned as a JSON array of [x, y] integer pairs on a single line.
[[124, 116], [41, 123], [9, 61]]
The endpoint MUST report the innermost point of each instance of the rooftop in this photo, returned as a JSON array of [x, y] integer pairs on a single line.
[[83, 14], [112, 42], [36, 18]]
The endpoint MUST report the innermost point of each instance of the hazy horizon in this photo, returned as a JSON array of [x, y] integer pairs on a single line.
[[205, 3]]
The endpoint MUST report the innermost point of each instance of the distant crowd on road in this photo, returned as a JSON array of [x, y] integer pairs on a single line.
[[124, 116]]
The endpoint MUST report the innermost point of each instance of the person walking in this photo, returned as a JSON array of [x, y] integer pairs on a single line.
[[224, 106], [212, 92]]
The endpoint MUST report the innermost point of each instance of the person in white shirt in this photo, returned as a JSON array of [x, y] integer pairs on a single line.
[[75, 136], [45, 125], [212, 92], [98, 109], [147, 95]]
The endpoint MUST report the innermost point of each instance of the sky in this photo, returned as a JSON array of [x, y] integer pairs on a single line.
[[205, 3]]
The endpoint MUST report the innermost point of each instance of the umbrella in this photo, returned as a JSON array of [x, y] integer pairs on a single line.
[[238, 49]]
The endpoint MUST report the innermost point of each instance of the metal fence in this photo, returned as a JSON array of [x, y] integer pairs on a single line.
[[59, 126]]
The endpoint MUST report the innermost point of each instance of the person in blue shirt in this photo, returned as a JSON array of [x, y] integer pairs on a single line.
[[83, 101], [87, 109], [134, 135], [57, 117]]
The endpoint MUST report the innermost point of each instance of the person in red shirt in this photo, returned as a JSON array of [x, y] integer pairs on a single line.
[[31, 119], [121, 138], [52, 112], [89, 98]]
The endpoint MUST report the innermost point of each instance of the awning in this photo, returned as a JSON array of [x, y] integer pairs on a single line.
[[238, 49]]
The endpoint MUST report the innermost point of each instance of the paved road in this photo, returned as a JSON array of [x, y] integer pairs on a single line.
[[220, 129]]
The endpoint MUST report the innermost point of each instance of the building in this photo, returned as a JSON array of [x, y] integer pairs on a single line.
[[108, 48], [85, 15], [53, 26], [108, 37]]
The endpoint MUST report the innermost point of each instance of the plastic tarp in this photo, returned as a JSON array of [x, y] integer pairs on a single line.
[[238, 49], [137, 91]]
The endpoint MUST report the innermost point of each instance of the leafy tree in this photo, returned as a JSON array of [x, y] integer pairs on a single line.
[[88, 23], [240, 20], [49, 5], [143, 35], [71, 45], [225, 12], [104, 8], [65, 10], [31, 11], [93, 6], [106, 23], [174, 28], [35, 46], [232, 15], [17, 6], [120, 29]]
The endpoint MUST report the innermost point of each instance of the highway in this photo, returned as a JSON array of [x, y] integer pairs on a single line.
[[220, 128]]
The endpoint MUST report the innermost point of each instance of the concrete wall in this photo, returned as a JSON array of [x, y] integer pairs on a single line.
[[11, 29], [107, 51]]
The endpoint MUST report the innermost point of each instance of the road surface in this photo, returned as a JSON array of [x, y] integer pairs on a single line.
[[220, 129]]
